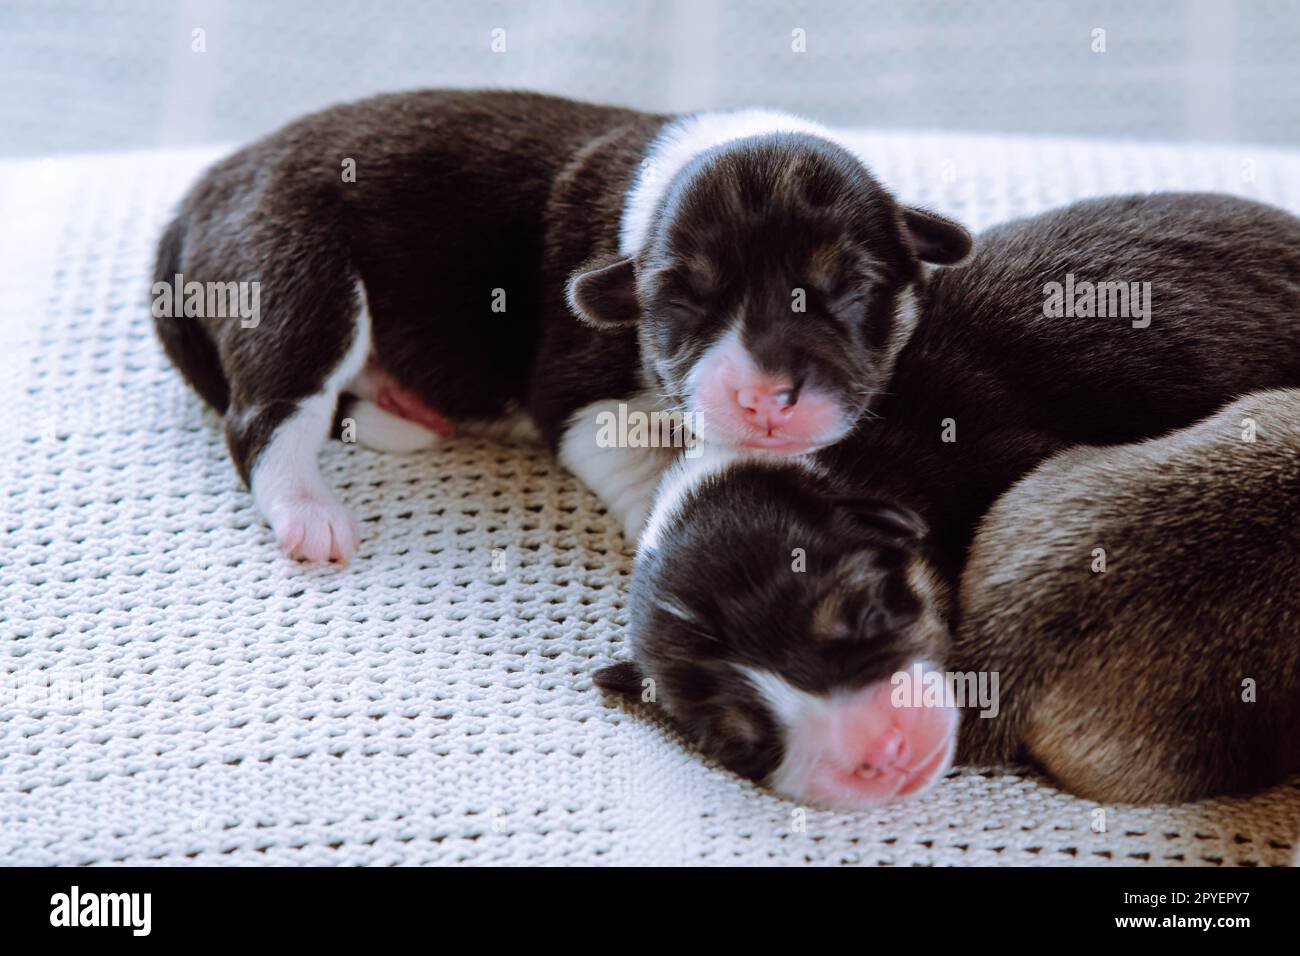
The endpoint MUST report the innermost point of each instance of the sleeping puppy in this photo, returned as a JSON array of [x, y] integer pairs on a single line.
[[418, 260], [786, 614], [1142, 604]]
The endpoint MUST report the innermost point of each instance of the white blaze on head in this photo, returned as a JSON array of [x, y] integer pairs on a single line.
[[687, 475], [678, 143], [678, 483]]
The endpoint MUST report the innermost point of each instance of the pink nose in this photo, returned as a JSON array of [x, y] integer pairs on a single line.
[[888, 751], [767, 406], [873, 751]]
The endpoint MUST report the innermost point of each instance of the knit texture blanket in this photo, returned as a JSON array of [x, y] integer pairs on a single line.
[[174, 691]]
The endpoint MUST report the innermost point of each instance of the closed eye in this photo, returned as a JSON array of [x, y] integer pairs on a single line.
[[683, 307], [850, 304], [694, 625]]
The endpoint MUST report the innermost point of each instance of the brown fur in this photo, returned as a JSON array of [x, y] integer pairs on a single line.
[[1127, 685]]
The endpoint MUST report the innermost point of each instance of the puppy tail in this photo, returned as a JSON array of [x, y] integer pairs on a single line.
[[185, 340]]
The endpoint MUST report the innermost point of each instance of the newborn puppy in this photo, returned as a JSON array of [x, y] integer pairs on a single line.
[[1141, 605], [421, 256], [769, 612], [779, 605]]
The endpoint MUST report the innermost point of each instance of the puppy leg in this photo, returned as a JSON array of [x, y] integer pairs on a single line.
[[625, 478], [275, 439]]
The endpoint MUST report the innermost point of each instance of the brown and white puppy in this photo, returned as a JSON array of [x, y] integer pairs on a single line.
[[788, 614], [421, 256], [1141, 604]]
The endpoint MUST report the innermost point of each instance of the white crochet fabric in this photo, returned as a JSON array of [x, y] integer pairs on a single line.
[[427, 704]]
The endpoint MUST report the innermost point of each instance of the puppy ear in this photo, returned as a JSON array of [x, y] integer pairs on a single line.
[[895, 522], [623, 678], [936, 238], [603, 292]]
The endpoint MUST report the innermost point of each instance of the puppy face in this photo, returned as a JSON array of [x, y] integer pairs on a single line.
[[775, 291], [771, 626]]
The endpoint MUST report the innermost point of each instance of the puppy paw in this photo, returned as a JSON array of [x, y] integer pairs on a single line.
[[314, 528]]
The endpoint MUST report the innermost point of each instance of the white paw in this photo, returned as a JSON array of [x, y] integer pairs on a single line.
[[313, 528], [384, 431]]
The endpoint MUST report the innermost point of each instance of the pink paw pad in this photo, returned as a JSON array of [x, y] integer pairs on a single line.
[[314, 529]]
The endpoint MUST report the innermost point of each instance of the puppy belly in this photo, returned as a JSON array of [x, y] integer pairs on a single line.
[[391, 417], [375, 427]]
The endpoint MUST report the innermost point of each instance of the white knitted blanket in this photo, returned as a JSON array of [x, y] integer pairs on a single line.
[[173, 691]]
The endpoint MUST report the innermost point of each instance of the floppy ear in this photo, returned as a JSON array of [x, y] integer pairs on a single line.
[[603, 292], [622, 678], [936, 238], [896, 522]]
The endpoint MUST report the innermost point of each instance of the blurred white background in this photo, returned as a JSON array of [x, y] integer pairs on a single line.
[[78, 75]]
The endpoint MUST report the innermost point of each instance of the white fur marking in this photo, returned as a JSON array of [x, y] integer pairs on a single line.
[[725, 346], [793, 709], [688, 474], [624, 478], [788, 704], [679, 481], [308, 520], [681, 141]]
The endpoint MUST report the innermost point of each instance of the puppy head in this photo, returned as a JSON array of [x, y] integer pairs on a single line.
[[771, 625], [775, 291]]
